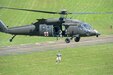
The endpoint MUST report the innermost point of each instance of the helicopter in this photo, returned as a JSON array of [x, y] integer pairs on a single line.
[[53, 27]]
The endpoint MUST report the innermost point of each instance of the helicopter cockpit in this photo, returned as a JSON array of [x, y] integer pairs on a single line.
[[88, 30], [86, 26]]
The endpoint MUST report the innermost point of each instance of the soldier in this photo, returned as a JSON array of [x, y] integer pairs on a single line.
[[60, 33], [58, 59]]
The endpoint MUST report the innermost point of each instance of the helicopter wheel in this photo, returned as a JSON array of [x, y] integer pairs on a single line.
[[67, 40], [77, 39], [96, 35], [10, 40]]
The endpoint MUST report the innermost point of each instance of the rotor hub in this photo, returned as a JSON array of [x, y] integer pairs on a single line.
[[63, 12]]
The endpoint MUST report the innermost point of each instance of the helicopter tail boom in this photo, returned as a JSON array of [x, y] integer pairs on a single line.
[[3, 27]]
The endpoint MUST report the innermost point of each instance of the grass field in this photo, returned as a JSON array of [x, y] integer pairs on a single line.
[[86, 60], [17, 18]]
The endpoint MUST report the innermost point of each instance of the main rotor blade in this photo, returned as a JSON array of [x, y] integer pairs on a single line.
[[31, 10], [91, 13], [63, 12]]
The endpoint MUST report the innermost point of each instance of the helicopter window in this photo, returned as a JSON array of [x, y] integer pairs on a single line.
[[80, 27], [87, 26]]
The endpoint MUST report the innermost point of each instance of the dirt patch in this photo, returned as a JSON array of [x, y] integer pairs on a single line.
[[54, 45]]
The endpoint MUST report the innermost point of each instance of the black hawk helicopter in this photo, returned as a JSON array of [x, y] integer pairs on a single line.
[[55, 27]]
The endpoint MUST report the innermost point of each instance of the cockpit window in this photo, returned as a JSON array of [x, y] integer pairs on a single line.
[[86, 26]]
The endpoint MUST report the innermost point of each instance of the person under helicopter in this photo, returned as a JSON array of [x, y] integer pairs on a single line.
[[59, 57], [60, 33]]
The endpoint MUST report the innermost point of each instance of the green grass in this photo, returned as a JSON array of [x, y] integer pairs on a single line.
[[24, 40], [17, 18], [86, 60]]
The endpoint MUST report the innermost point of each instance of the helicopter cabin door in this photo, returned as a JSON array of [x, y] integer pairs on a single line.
[[46, 30]]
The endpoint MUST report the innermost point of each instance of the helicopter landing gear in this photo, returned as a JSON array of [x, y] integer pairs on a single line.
[[12, 38], [96, 35], [67, 40], [76, 39]]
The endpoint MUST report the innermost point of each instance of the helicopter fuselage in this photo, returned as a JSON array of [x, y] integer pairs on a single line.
[[53, 28]]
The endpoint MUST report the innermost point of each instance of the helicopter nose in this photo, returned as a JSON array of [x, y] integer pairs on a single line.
[[96, 33]]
